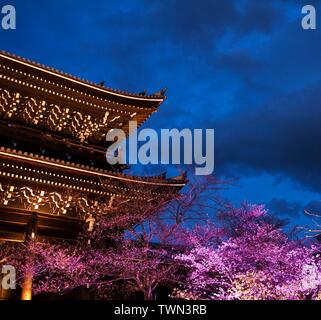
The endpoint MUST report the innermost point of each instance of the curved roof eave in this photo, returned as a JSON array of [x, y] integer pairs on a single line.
[[79, 81], [7, 152]]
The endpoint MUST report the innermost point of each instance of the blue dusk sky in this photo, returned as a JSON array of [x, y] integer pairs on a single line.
[[245, 68]]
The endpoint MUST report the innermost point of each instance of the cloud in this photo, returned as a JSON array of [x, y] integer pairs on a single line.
[[283, 136], [283, 207], [243, 67]]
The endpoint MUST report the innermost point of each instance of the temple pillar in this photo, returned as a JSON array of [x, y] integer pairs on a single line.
[[26, 293], [31, 235]]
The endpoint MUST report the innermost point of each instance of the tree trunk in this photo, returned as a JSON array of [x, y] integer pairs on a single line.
[[148, 294]]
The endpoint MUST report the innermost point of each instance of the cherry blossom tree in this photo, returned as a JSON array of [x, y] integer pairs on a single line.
[[257, 262], [193, 242], [138, 268]]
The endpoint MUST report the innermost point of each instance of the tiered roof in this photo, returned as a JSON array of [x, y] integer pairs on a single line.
[[46, 115]]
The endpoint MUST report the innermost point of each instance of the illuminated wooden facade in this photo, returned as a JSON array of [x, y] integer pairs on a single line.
[[53, 147]]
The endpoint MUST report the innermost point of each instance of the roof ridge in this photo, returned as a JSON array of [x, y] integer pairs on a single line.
[[96, 86], [111, 174]]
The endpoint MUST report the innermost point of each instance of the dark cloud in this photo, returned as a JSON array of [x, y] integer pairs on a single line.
[[241, 63], [245, 68], [284, 136], [260, 15], [283, 207]]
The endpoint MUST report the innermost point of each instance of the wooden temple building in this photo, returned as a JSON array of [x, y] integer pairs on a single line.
[[53, 146]]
